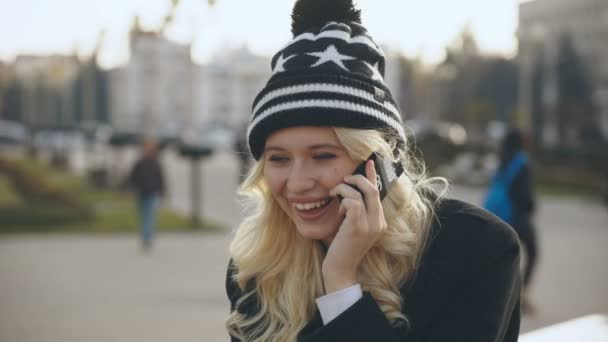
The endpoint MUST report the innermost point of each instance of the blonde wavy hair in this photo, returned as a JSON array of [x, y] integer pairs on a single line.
[[281, 271]]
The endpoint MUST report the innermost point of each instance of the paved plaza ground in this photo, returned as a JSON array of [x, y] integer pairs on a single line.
[[73, 288]]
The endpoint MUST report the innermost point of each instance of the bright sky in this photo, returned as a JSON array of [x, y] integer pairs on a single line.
[[416, 27]]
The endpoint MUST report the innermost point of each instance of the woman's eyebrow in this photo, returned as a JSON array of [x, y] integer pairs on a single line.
[[311, 147], [318, 146], [273, 148]]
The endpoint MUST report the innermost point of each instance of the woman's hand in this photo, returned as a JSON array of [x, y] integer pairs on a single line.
[[363, 224]]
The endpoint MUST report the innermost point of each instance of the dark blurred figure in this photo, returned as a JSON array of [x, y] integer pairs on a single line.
[[242, 152], [146, 178], [523, 203]]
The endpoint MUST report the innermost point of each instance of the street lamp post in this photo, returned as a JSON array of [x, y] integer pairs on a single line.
[[195, 153]]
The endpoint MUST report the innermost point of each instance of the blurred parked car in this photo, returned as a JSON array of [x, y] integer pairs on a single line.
[[58, 140], [471, 168], [168, 134], [123, 139], [212, 136], [12, 133], [438, 143], [424, 129]]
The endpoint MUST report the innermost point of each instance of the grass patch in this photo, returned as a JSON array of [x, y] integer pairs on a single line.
[[567, 179], [569, 191], [88, 210], [8, 196], [117, 212]]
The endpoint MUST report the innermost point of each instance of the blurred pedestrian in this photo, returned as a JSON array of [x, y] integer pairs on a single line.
[[380, 255], [146, 178], [514, 175]]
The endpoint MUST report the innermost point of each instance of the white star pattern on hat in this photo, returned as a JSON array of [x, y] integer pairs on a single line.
[[375, 72], [331, 54], [280, 65]]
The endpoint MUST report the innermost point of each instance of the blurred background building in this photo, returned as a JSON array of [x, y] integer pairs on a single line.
[[154, 92], [555, 86], [54, 94], [227, 86], [563, 61]]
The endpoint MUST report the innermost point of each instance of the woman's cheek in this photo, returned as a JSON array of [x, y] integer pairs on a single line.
[[274, 179], [268, 178], [337, 176]]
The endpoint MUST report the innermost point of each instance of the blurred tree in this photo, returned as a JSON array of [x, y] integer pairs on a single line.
[[171, 14], [458, 76], [101, 90], [90, 89], [464, 73], [497, 86], [4, 84], [77, 87], [538, 109], [477, 89], [575, 110], [406, 80], [479, 112], [11, 102], [103, 96]]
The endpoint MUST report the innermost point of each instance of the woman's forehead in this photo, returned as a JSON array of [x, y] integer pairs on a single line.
[[302, 136]]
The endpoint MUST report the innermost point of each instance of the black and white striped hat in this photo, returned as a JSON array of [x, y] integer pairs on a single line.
[[330, 74]]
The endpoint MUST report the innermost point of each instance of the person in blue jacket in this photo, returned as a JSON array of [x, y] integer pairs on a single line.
[[523, 203], [320, 256]]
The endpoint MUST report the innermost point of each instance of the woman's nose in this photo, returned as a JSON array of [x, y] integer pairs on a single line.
[[300, 178]]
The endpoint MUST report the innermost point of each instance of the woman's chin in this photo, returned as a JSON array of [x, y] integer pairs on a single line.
[[315, 232], [322, 226]]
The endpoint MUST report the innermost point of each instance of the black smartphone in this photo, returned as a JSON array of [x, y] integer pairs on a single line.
[[387, 173]]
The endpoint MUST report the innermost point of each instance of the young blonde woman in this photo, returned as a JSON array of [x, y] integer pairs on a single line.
[[321, 256]]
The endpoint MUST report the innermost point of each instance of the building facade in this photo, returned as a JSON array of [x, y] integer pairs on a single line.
[[46, 90], [153, 94], [542, 23], [227, 86], [162, 91]]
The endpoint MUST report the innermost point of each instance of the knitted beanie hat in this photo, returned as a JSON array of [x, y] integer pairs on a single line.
[[330, 74]]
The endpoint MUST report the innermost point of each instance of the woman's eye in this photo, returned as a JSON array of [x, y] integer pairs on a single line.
[[324, 156], [277, 159]]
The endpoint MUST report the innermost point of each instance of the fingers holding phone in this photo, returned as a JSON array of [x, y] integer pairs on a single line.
[[363, 224], [368, 186]]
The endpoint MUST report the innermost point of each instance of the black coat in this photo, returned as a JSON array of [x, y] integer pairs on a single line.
[[466, 288]]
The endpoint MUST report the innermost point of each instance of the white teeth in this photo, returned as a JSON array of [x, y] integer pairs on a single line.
[[310, 205]]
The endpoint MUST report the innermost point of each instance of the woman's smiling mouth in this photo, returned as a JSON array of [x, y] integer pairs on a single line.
[[313, 210], [311, 205]]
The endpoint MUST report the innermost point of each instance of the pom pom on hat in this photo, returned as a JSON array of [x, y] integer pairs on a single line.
[[308, 14]]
